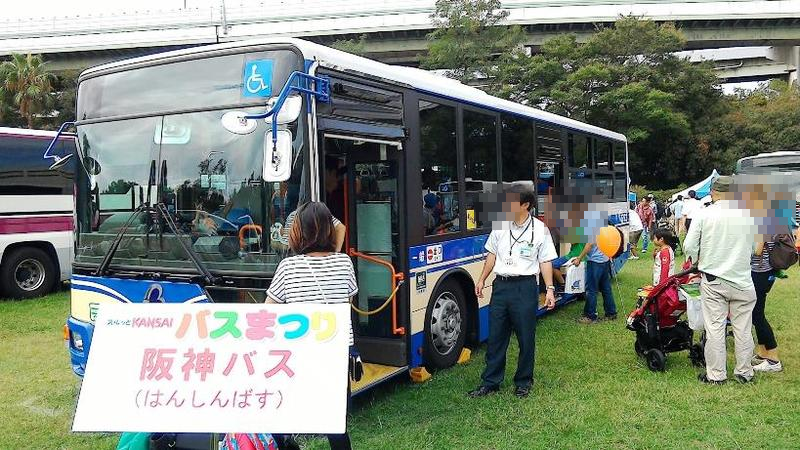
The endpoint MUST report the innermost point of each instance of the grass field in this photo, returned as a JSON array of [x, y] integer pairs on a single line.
[[590, 391]]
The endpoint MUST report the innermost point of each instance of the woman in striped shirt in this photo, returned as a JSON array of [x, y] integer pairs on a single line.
[[316, 274]]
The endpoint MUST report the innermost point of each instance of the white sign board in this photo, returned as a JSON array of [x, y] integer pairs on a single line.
[[217, 368]]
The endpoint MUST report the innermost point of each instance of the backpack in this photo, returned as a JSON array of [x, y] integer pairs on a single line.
[[784, 254], [242, 441]]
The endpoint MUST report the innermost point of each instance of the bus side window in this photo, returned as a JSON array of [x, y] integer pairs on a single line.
[[439, 175]]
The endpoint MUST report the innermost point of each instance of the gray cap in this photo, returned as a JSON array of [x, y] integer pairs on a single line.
[[722, 184]]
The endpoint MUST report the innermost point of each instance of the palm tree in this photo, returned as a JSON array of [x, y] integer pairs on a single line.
[[27, 80]]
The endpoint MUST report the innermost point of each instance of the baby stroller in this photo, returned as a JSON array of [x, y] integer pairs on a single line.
[[658, 324]]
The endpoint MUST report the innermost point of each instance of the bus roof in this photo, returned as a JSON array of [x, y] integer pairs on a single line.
[[417, 79], [27, 132]]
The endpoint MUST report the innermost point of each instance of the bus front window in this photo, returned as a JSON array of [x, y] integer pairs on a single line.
[[209, 180]]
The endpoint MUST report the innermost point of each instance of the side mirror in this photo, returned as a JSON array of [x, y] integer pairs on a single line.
[[236, 122], [277, 156], [60, 162]]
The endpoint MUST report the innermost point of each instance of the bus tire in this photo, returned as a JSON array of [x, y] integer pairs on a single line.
[[27, 272], [445, 326]]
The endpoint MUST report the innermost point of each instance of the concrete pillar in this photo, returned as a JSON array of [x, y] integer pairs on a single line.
[[793, 61]]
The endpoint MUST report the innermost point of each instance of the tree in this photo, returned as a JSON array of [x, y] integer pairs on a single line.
[[626, 78], [353, 46], [764, 120], [28, 82], [468, 37]]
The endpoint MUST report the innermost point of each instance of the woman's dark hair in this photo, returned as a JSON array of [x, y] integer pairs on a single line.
[[312, 230], [668, 236], [526, 194]]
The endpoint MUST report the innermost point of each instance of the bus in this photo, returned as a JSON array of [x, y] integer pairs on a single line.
[[226, 140], [35, 213], [786, 164]]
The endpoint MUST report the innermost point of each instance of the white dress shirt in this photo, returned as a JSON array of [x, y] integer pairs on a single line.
[[520, 249]]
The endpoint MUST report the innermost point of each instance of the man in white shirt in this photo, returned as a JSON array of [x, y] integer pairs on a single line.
[[690, 207], [721, 240], [634, 231], [519, 248]]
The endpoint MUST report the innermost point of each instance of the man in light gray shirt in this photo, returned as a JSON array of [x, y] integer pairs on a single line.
[[721, 240]]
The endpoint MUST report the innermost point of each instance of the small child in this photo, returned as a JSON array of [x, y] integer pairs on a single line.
[[664, 257]]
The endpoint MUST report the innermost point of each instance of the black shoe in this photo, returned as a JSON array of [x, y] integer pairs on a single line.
[[611, 317], [743, 380], [704, 379], [522, 392], [483, 391]]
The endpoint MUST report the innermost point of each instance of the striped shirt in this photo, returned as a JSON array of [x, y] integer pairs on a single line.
[[314, 279], [760, 263]]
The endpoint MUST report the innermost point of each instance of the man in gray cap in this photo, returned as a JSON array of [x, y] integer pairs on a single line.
[[720, 242]]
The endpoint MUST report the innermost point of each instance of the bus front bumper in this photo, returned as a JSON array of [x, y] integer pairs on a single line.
[[80, 339]]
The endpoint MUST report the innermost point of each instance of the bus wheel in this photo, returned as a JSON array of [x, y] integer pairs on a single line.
[[27, 272], [445, 326]]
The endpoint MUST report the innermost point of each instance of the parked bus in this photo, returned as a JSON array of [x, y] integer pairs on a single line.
[[35, 213], [784, 163], [225, 141]]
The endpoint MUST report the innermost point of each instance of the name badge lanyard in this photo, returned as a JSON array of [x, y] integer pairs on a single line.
[[514, 240]]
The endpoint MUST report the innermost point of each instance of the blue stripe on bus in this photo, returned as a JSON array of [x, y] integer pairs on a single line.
[[460, 248]]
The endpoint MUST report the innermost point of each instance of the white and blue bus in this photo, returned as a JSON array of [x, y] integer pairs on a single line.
[[239, 134]]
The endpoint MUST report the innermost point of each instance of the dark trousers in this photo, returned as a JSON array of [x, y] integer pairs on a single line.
[[763, 282], [598, 279], [513, 308]]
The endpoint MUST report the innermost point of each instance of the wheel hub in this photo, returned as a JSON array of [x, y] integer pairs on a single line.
[[445, 323], [29, 275]]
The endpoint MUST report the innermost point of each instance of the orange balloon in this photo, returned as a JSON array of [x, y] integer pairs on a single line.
[[609, 241]]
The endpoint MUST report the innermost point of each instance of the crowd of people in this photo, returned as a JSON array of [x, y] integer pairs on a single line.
[[722, 241]]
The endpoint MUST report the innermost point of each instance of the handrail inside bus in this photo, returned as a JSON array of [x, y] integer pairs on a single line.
[[319, 87], [396, 278]]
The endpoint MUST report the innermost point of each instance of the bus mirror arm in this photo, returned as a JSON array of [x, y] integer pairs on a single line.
[[318, 87], [58, 161]]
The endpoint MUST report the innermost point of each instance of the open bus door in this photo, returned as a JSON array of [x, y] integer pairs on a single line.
[[369, 204]]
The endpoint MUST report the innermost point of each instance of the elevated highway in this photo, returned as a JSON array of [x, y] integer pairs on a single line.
[[395, 30]]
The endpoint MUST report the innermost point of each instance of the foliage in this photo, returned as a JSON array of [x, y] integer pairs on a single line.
[[660, 195], [26, 79], [468, 37], [625, 78], [764, 120], [353, 46]]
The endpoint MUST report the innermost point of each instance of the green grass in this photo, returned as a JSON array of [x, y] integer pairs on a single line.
[[590, 391]]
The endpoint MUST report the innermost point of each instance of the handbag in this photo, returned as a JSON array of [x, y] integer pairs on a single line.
[[784, 254]]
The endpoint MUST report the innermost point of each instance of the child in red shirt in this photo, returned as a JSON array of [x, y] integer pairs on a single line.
[[664, 257]]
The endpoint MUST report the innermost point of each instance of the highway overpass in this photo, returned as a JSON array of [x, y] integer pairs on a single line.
[[395, 29]]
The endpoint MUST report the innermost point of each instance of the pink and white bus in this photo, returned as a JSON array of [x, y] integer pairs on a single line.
[[36, 213]]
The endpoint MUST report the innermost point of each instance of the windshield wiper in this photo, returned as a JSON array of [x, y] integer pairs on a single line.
[[101, 269], [161, 210], [143, 206]]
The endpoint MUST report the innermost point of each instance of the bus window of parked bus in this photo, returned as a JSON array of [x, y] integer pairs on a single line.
[[438, 161], [517, 149], [480, 167], [579, 174]]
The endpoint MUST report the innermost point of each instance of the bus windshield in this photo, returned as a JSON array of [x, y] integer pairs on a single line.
[[209, 180]]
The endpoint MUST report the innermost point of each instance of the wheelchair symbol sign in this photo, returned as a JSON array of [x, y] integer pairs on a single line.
[[257, 78]]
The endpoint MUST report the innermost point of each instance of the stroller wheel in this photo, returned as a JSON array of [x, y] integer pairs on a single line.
[[637, 347], [656, 360], [697, 356]]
